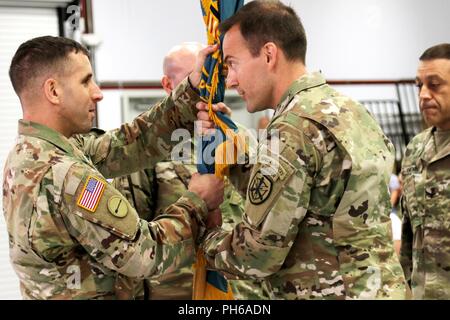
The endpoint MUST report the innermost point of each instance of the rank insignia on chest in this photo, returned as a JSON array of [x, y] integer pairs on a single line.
[[91, 194], [260, 188]]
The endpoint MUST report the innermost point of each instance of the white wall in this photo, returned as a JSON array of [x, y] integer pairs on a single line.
[[109, 110], [348, 39], [137, 34], [371, 39]]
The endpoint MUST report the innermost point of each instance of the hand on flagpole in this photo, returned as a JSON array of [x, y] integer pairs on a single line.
[[204, 124], [196, 74], [209, 188]]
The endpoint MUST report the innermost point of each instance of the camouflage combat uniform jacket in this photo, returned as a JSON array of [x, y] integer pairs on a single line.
[[316, 222], [160, 188], [425, 253], [71, 233]]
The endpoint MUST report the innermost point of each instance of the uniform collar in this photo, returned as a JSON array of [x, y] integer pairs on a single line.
[[443, 151], [37, 130], [428, 152], [305, 82]]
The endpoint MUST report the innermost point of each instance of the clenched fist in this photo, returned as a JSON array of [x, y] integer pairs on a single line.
[[209, 188]]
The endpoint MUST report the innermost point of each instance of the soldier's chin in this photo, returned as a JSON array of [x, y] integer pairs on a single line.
[[251, 108], [255, 108], [86, 128], [429, 120]]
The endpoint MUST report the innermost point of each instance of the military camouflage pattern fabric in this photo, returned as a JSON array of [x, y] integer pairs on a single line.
[[71, 234], [316, 222], [140, 189], [425, 252], [171, 179]]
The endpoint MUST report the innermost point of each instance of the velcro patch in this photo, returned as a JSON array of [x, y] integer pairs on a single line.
[[117, 207], [265, 187], [91, 194], [260, 188]]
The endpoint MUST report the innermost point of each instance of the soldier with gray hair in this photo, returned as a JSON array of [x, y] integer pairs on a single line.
[[425, 251], [71, 233], [316, 222]]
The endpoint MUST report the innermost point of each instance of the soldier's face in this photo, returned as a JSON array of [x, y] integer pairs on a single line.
[[247, 74], [79, 94], [433, 81]]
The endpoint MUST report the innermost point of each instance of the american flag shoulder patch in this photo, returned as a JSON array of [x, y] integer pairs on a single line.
[[91, 194]]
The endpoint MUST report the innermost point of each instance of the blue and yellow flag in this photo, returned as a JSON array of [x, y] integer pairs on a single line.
[[208, 284]]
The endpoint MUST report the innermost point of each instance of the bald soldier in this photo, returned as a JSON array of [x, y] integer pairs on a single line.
[[71, 233], [316, 219], [152, 191]]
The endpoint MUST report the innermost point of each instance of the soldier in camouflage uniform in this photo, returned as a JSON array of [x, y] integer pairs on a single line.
[[425, 252], [153, 190], [71, 233], [316, 220]]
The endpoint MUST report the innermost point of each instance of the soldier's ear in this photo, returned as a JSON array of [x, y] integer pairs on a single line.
[[166, 84], [270, 52], [52, 91]]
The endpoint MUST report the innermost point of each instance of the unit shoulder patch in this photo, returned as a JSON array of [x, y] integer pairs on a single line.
[[260, 188], [117, 206]]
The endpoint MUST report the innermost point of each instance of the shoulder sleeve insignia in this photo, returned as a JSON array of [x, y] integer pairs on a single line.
[[91, 194], [117, 206], [260, 188]]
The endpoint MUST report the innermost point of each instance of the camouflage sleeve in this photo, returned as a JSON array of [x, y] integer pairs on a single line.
[[407, 242], [172, 180], [109, 229], [139, 188], [84, 141], [277, 198], [147, 139]]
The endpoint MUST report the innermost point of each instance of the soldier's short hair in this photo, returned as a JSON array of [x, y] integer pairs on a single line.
[[440, 51], [270, 21], [40, 54]]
